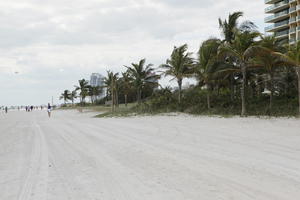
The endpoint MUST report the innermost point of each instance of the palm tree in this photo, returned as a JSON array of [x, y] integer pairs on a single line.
[[84, 89], [266, 56], [207, 64], [237, 50], [229, 27], [107, 82], [142, 75], [117, 89], [126, 82], [111, 84], [94, 92], [293, 58], [73, 96], [180, 65], [66, 95]]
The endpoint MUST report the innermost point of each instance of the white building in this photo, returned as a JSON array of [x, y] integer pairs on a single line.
[[96, 80], [284, 17]]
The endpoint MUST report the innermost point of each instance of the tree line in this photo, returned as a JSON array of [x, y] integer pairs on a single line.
[[244, 63]]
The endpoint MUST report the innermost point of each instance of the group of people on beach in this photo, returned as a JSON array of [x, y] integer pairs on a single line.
[[31, 108]]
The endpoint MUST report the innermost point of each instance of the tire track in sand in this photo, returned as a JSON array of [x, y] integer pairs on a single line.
[[35, 184]]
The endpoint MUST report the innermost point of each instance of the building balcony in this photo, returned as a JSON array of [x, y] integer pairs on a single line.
[[277, 7], [292, 40], [292, 20], [292, 9], [277, 17], [277, 26], [292, 30], [281, 34]]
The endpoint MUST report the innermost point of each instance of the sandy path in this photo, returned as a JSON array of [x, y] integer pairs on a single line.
[[73, 156]]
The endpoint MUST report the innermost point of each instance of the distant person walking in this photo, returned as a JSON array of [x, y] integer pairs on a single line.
[[6, 109], [49, 110]]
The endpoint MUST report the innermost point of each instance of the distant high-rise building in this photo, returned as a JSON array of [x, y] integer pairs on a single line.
[[96, 80], [285, 19]]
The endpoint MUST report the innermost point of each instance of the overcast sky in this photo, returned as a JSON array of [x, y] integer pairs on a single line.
[[53, 43]]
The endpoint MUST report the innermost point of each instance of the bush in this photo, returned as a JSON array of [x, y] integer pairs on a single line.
[[194, 102]]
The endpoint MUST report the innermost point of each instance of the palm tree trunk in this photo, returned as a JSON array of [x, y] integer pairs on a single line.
[[208, 97], [208, 100], [272, 90], [117, 99], [232, 87], [125, 99], [258, 90], [243, 91], [139, 95], [106, 94], [112, 100], [179, 89]]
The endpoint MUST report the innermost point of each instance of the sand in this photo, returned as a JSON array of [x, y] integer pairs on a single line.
[[74, 156]]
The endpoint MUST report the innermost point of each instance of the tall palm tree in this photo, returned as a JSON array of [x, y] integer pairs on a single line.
[[94, 92], [107, 82], [292, 56], [229, 26], [207, 64], [126, 83], [242, 42], [111, 83], [83, 87], [141, 75], [66, 95], [73, 96], [266, 56], [179, 65], [117, 89], [229, 29]]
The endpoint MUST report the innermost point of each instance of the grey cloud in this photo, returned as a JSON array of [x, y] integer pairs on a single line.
[[41, 37], [96, 27], [197, 4]]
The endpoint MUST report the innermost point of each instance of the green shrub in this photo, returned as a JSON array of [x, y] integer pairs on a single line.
[[194, 101]]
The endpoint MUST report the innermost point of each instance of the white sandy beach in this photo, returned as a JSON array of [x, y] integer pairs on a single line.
[[73, 156]]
